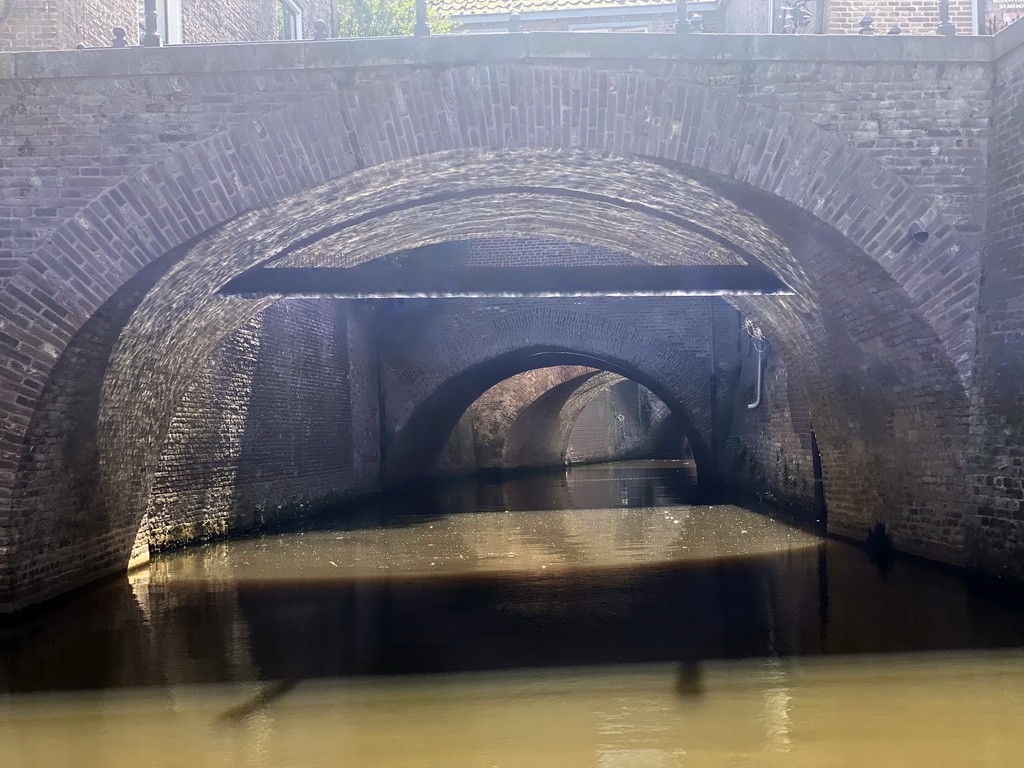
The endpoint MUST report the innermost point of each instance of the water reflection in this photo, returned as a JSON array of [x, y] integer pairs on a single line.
[[961, 709], [597, 618]]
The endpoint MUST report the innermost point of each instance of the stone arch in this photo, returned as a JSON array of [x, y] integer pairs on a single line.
[[486, 424], [420, 439], [710, 133], [698, 161], [540, 436]]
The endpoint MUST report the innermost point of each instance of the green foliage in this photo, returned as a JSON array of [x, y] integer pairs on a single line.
[[385, 18]]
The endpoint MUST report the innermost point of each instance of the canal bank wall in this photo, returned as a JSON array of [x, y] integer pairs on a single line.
[[995, 522], [281, 418]]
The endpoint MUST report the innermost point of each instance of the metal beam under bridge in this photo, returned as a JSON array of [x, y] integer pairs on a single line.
[[373, 282]]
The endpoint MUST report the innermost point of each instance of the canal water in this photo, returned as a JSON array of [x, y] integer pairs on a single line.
[[606, 617]]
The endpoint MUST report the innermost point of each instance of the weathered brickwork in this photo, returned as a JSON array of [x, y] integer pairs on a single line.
[[767, 449], [995, 525], [296, 153], [913, 17], [437, 358], [478, 441], [543, 417], [957, 280], [614, 424], [91, 22], [266, 427], [923, 119], [30, 25], [231, 21], [542, 435], [193, 487]]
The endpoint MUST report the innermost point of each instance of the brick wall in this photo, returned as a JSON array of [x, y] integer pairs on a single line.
[[914, 17], [747, 16], [995, 524], [429, 346], [426, 343], [67, 139], [193, 496], [873, 331], [279, 418], [615, 424], [365, 396], [767, 452], [597, 435], [478, 440], [91, 22], [230, 21], [35, 25]]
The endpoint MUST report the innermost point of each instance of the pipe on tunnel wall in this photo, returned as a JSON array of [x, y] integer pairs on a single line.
[[757, 385]]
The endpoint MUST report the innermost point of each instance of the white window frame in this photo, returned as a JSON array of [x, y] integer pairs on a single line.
[[295, 33]]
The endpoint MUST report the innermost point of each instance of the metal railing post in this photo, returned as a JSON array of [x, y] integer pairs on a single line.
[[422, 29], [945, 25], [152, 37], [682, 20]]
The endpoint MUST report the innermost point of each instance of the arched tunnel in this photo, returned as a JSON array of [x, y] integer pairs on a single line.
[[319, 338], [413, 390], [569, 415], [536, 398], [536, 435]]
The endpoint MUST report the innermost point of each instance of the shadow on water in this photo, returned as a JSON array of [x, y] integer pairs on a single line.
[[191, 617]]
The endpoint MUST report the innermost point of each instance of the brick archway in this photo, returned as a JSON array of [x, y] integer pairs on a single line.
[[436, 408], [540, 436], [484, 427], [700, 168]]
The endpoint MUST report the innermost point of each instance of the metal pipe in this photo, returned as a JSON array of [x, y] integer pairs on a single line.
[[760, 357]]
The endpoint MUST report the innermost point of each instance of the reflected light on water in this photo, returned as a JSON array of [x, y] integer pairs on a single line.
[[505, 542], [951, 710], [596, 619]]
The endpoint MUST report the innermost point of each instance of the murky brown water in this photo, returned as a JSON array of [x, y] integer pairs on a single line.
[[593, 619]]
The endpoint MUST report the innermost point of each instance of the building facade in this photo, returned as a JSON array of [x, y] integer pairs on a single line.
[[65, 24], [839, 17], [42, 25]]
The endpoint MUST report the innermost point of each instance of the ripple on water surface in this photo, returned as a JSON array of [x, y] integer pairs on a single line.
[[588, 620], [504, 542]]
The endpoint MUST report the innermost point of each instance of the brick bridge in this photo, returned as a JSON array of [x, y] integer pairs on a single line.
[[140, 406]]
